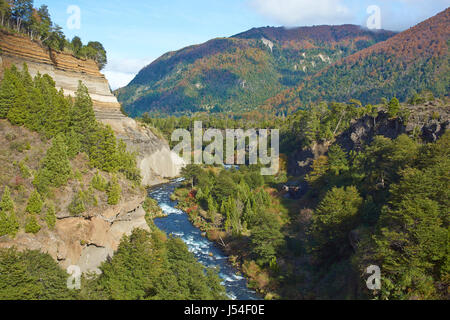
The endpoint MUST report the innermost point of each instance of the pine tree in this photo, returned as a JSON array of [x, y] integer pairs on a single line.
[[114, 191], [103, 151], [337, 160], [77, 207], [35, 203], [98, 182], [18, 112], [6, 204], [9, 223], [393, 107], [32, 225], [73, 142], [82, 117], [55, 168], [7, 91], [336, 215], [50, 217]]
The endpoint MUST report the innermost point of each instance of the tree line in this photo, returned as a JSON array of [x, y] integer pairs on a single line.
[[21, 16]]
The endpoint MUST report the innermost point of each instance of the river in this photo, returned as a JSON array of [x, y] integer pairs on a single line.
[[207, 253]]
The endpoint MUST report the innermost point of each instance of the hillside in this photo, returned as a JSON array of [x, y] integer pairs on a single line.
[[66, 71], [241, 72], [412, 61]]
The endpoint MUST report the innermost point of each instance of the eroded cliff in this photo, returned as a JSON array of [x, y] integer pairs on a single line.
[[155, 159]]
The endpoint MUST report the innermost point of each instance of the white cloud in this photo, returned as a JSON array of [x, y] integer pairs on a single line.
[[304, 12], [120, 72]]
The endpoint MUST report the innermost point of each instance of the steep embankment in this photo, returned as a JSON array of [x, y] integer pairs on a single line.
[[83, 237], [155, 160], [239, 73], [412, 61], [429, 121]]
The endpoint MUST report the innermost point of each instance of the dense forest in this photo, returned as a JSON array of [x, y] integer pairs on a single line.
[[146, 266], [364, 173], [55, 140], [412, 61], [240, 73], [386, 205], [20, 16]]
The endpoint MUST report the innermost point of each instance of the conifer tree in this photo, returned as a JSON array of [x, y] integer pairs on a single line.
[[82, 117], [103, 151], [50, 217], [393, 107], [55, 168], [18, 112], [73, 142], [114, 191], [32, 225], [6, 204], [8, 220], [7, 91], [35, 203]]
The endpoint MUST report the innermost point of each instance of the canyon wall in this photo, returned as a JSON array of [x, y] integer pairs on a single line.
[[88, 240], [155, 159]]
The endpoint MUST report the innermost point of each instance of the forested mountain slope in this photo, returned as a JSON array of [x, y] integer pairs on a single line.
[[412, 61], [241, 72]]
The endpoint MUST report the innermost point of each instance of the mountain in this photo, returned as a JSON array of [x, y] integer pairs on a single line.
[[412, 61], [241, 72]]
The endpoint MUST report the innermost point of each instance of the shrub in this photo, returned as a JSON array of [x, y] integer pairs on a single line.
[[35, 203], [77, 207], [32, 226], [99, 183], [114, 191], [50, 217]]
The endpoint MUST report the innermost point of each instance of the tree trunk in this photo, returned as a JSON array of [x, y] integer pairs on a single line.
[[339, 123]]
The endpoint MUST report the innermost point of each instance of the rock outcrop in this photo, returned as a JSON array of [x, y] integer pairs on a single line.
[[85, 241], [429, 121], [155, 159]]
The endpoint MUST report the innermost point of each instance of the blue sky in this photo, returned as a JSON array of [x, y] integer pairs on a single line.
[[135, 32]]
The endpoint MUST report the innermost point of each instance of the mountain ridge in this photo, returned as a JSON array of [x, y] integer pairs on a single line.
[[240, 72], [424, 44]]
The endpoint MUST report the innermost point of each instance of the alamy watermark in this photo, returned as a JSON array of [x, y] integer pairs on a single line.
[[259, 149], [74, 20], [74, 281], [374, 20], [374, 281]]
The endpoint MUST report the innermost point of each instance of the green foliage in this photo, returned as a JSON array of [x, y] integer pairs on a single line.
[[24, 170], [6, 204], [55, 167], [82, 118], [31, 275], [148, 266], [337, 160], [393, 107], [77, 206], [35, 203], [7, 90], [9, 224], [337, 214], [267, 238], [36, 104], [114, 191], [411, 242], [99, 183], [103, 152], [50, 216], [127, 163], [32, 225]]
